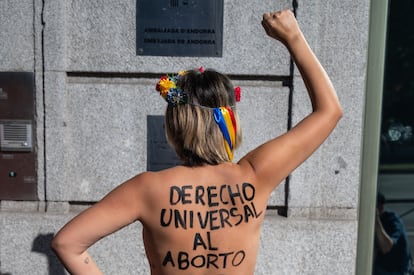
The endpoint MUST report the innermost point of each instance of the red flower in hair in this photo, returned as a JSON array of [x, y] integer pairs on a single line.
[[158, 86], [237, 93], [201, 69]]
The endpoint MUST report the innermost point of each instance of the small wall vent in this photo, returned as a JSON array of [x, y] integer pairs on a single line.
[[16, 135]]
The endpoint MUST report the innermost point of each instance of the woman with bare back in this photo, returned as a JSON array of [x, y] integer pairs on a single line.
[[204, 217]]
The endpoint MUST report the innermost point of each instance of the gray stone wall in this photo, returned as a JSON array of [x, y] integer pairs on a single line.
[[93, 96]]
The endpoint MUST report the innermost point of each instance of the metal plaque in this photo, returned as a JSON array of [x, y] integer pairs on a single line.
[[160, 155], [180, 28]]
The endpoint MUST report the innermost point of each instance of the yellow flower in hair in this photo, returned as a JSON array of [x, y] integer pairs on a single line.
[[167, 84], [164, 85]]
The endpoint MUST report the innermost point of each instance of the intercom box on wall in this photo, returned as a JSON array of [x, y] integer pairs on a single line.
[[18, 177]]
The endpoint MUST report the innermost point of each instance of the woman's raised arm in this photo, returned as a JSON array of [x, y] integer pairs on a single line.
[[275, 160]]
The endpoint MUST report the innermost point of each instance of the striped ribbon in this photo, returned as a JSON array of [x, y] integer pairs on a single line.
[[226, 121]]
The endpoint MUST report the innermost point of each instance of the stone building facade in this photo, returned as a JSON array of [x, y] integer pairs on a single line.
[[93, 96]]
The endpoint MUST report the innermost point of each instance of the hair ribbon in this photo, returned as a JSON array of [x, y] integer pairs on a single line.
[[224, 118]]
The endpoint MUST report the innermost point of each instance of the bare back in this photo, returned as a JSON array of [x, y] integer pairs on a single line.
[[203, 220]]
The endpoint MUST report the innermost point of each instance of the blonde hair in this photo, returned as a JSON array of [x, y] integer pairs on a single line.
[[191, 129]]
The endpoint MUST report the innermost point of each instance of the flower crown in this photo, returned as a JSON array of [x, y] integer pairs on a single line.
[[174, 95]]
